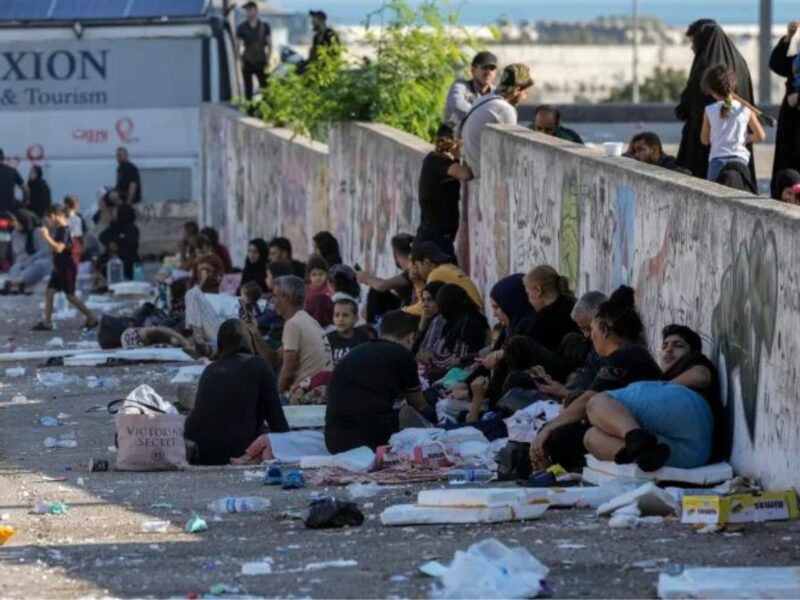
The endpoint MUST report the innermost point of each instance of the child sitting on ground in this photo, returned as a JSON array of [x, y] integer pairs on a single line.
[[249, 295], [317, 278], [347, 336], [728, 125], [62, 279]]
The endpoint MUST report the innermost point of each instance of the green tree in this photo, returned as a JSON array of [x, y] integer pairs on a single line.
[[664, 85], [405, 85]]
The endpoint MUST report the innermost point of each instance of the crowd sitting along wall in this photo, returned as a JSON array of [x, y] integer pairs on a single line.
[[712, 258]]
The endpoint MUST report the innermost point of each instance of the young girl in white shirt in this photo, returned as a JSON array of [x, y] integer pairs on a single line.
[[728, 125]]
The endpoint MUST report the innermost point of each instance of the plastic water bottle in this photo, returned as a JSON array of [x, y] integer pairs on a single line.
[[468, 474], [138, 272], [115, 271], [84, 285], [233, 504], [60, 303]]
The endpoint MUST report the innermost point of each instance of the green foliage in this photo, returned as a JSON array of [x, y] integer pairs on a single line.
[[664, 85], [416, 57]]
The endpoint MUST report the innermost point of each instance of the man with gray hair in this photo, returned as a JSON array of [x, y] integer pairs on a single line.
[[585, 309], [305, 348], [498, 108]]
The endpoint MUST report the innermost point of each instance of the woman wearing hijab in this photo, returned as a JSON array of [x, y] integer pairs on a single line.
[[39, 198], [465, 331], [711, 47], [121, 238], [784, 182], [235, 395], [787, 139], [255, 265], [328, 248]]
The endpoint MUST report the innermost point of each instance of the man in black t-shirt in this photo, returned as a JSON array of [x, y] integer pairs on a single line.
[[9, 180], [440, 192], [128, 189], [256, 37], [367, 383], [324, 36]]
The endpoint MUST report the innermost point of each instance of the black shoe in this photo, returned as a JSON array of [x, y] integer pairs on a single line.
[[40, 326], [652, 459]]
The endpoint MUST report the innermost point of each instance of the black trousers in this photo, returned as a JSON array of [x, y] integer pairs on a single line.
[[250, 69]]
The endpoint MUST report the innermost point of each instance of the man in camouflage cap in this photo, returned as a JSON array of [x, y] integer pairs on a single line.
[[498, 108]]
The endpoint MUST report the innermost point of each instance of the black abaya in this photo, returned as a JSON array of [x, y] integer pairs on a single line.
[[712, 47], [787, 140]]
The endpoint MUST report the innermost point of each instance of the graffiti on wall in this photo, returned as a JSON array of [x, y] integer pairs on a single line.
[[624, 237], [743, 322], [569, 231]]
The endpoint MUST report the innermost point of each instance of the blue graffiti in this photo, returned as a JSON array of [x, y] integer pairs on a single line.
[[624, 236]]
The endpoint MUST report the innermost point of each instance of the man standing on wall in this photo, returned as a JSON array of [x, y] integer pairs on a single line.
[[128, 189], [463, 94], [324, 36], [256, 36], [498, 108]]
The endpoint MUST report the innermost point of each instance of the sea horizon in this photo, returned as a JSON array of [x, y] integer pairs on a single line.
[[472, 12]]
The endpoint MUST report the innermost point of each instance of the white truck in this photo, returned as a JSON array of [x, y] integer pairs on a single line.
[[79, 78]]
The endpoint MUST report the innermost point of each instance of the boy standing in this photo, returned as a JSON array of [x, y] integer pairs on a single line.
[[75, 224], [347, 336], [64, 272]]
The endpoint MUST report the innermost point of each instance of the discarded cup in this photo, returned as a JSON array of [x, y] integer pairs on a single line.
[[15, 372], [196, 524], [362, 490], [18, 399], [155, 526], [6, 532]]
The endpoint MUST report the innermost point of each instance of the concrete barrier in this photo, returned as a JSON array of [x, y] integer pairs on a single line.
[[719, 261], [374, 179], [697, 253], [261, 182]]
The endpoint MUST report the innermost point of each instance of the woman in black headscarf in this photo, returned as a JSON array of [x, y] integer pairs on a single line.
[[39, 198], [711, 47], [784, 182], [255, 265], [787, 139], [328, 248], [236, 394]]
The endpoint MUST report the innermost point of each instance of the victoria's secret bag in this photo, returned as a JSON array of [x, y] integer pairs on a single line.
[[149, 433]]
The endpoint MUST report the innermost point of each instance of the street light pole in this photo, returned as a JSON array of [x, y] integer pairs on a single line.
[[636, 97], [764, 50]]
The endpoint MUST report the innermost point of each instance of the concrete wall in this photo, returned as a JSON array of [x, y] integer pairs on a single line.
[[261, 182], [714, 259], [696, 253], [374, 178]]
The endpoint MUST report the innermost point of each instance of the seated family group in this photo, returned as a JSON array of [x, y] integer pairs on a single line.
[[417, 350]]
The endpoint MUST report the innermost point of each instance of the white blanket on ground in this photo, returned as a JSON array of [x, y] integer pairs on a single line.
[[294, 445]]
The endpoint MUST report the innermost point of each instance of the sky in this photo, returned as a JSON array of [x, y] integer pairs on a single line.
[[474, 12]]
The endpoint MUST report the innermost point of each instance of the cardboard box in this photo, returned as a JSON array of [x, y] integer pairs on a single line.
[[740, 508]]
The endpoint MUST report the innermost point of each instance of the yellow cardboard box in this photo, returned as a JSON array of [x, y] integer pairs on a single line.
[[740, 508]]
